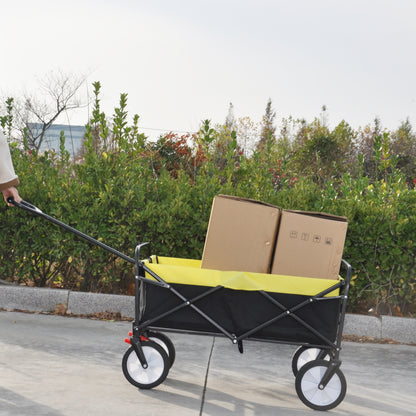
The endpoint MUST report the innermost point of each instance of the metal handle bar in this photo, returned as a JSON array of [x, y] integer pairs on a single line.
[[36, 211]]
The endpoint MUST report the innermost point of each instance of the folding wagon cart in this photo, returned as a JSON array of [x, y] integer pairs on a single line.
[[177, 295]]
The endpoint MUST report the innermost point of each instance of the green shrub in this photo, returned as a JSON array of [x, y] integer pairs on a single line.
[[125, 189]]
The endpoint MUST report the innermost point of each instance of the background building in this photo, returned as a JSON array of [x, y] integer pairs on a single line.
[[73, 138]]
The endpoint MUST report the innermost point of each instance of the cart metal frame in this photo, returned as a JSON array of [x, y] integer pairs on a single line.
[[343, 285]]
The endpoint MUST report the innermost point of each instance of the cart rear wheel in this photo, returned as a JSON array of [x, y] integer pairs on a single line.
[[304, 355], [307, 384], [165, 342], [157, 370]]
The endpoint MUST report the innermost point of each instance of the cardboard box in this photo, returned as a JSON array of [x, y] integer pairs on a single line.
[[241, 235], [309, 244]]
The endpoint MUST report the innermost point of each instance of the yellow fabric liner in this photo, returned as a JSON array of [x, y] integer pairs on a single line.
[[189, 272]]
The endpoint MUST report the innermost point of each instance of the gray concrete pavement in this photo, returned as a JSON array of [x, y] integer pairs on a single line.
[[53, 365]]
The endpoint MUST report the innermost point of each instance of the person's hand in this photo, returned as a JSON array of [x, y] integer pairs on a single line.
[[11, 192]]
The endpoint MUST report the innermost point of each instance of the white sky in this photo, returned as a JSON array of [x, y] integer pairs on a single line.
[[182, 61]]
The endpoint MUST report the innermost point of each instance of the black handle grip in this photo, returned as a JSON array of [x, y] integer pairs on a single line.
[[24, 205]]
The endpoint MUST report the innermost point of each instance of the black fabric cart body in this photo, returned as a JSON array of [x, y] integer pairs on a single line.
[[177, 295], [299, 315]]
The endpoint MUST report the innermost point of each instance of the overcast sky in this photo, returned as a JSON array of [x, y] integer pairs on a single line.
[[182, 61]]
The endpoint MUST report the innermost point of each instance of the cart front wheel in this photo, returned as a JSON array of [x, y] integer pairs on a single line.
[[165, 342], [308, 382], [154, 374], [304, 355]]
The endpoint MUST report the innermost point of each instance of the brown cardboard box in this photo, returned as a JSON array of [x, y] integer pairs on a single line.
[[309, 244], [241, 235]]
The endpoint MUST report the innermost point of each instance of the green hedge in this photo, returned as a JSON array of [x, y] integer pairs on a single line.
[[127, 190]]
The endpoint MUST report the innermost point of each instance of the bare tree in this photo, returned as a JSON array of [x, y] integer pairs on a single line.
[[248, 133], [34, 115]]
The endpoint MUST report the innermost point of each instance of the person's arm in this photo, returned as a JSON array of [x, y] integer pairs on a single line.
[[8, 177]]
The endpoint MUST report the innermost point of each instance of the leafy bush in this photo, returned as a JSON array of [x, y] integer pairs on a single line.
[[124, 189]]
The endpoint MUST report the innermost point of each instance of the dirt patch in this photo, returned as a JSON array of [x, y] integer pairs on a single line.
[[62, 311]]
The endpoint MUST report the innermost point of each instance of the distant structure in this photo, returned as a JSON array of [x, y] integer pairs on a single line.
[[73, 138]]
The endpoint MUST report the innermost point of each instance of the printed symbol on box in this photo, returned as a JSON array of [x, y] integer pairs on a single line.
[[293, 234], [328, 241], [304, 237], [316, 238]]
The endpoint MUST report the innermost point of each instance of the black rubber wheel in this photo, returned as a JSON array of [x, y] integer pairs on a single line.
[[307, 384], [157, 370], [305, 354], [165, 342]]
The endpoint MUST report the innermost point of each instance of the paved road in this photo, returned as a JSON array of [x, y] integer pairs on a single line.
[[52, 365]]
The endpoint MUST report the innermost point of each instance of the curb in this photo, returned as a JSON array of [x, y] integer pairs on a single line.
[[34, 299]]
